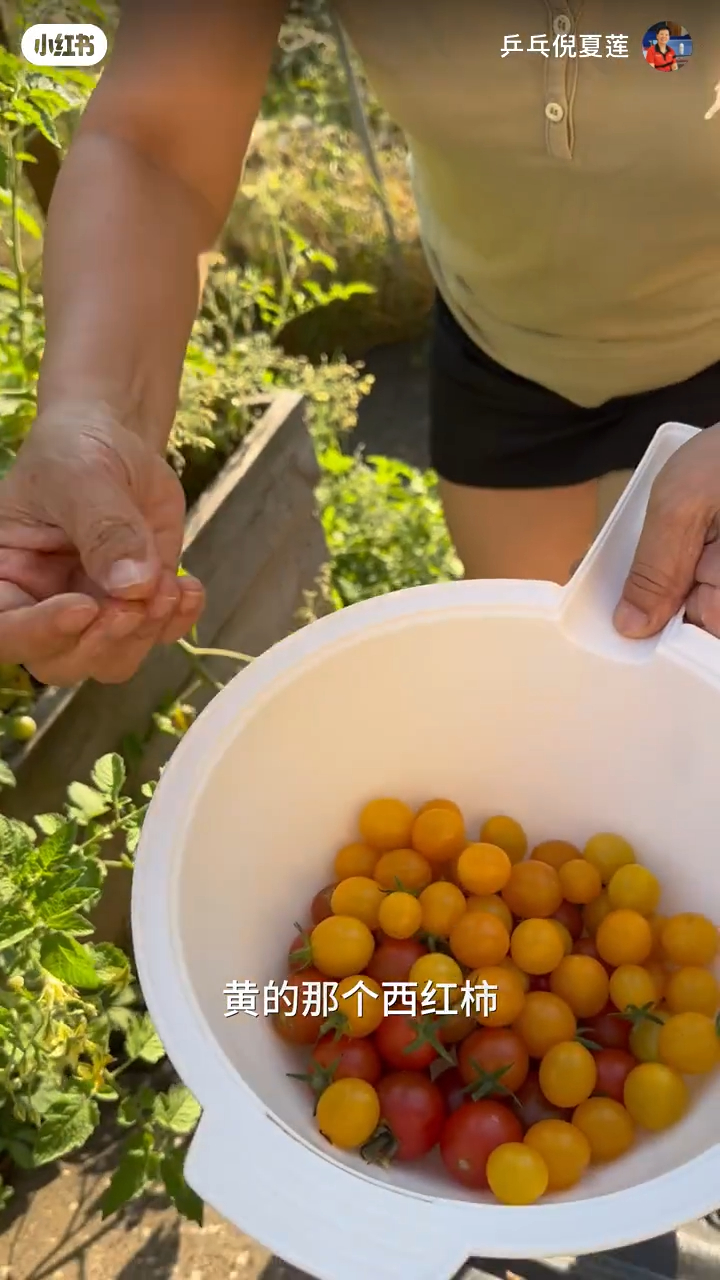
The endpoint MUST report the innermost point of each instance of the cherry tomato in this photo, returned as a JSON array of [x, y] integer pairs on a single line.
[[631, 986], [608, 1127], [340, 1058], [517, 1174], [565, 1150], [544, 1021], [586, 947], [296, 1022], [580, 881], [689, 938], [570, 916], [408, 1044], [507, 834], [582, 983], [624, 937], [613, 1068], [567, 1074], [320, 907], [403, 869], [413, 1112], [359, 897], [355, 860], [539, 982], [442, 905], [537, 946], [554, 853], [455, 1027], [635, 888], [492, 903], [693, 990], [607, 1030], [348, 1112], [533, 890], [565, 935], [531, 1105], [483, 868], [509, 995], [400, 915], [470, 1134], [595, 912], [394, 958], [655, 1095], [689, 1043], [608, 852], [439, 834], [524, 979], [341, 946], [645, 1034], [360, 1006], [300, 952], [385, 824], [453, 1089], [493, 1060], [478, 938], [439, 979], [440, 804]]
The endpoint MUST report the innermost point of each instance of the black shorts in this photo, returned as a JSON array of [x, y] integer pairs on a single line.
[[493, 429]]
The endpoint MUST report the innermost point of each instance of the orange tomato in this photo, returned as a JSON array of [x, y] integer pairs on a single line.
[[400, 915], [341, 946], [624, 937], [544, 1021], [580, 881], [582, 983], [595, 912], [507, 834], [689, 939], [479, 938], [634, 888], [567, 1074], [403, 869], [360, 897], [439, 835], [439, 804], [693, 990], [631, 985], [483, 868], [355, 860], [509, 995], [442, 904], [608, 853], [360, 1005], [492, 903], [533, 889], [565, 1150], [537, 946], [523, 978], [385, 824], [554, 853], [607, 1126]]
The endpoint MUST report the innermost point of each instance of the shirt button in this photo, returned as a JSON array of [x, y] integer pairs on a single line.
[[562, 24], [555, 112]]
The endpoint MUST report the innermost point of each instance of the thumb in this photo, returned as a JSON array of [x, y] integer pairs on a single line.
[[662, 573], [115, 544]]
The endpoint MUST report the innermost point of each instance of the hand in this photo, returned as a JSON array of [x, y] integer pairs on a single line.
[[91, 529], [677, 561]]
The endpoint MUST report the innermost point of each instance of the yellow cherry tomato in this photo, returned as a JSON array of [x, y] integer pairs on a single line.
[[580, 881], [689, 938], [438, 979], [608, 852], [595, 912], [692, 990], [439, 835], [403, 869], [400, 915], [607, 1126], [385, 824], [645, 1035], [507, 834], [442, 904], [361, 1007], [689, 1043], [624, 937], [631, 985], [508, 998], [341, 946], [483, 868], [479, 938], [516, 1173], [348, 1113], [567, 1074], [494, 905], [359, 897], [537, 946], [655, 1095], [634, 888], [565, 1150], [355, 860]]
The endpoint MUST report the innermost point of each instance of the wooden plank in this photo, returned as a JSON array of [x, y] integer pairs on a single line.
[[244, 522]]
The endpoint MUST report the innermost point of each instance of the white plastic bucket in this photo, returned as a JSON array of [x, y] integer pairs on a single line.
[[508, 696]]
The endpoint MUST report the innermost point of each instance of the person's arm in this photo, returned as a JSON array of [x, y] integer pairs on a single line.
[[145, 190]]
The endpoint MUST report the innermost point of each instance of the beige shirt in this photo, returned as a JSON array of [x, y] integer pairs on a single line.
[[570, 207]]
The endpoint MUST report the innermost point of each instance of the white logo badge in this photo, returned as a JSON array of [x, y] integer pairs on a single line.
[[63, 44]]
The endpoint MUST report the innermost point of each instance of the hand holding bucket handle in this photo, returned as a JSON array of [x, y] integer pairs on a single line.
[[646, 565]]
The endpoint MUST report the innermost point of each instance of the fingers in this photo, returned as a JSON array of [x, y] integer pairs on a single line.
[[703, 604], [33, 633]]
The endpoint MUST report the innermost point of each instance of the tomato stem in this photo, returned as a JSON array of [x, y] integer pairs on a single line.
[[637, 1014], [489, 1084], [426, 1034], [380, 1147]]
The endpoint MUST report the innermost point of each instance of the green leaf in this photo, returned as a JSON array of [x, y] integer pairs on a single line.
[[14, 926], [109, 775], [111, 964], [56, 847], [69, 961], [15, 840], [49, 823], [142, 1041], [26, 220], [177, 1110], [67, 1126], [186, 1201], [130, 1178], [7, 777], [86, 802]]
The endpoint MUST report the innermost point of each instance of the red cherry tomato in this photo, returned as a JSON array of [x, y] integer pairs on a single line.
[[346, 1058], [406, 1043], [470, 1135], [493, 1060], [452, 1087], [300, 953], [607, 1029], [292, 1023], [540, 982], [613, 1068], [571, 916], [532, 1105], [320, 907], [412, 1114], [586, 947], [393, 959]]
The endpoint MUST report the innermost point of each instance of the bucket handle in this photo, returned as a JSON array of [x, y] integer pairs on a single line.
[[590, 598]]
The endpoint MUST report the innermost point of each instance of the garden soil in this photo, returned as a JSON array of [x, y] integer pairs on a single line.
[[53, 1229]]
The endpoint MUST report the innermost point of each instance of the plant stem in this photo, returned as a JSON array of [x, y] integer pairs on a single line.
[[196, 652], [14, 174]]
